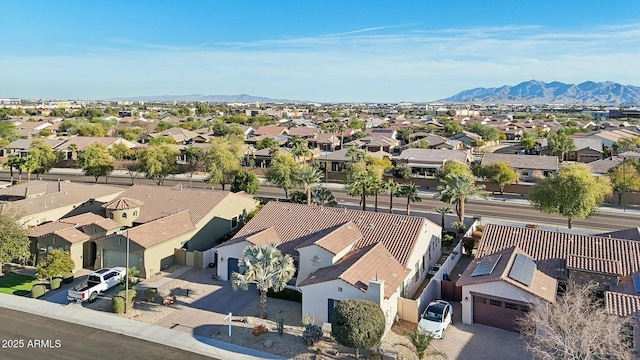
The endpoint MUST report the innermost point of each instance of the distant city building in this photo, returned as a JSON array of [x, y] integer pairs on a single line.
[[10, 101]]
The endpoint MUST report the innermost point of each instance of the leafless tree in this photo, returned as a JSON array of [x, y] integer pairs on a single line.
[[576, 326]]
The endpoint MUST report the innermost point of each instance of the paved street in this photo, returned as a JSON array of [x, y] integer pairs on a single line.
[[27, 336]]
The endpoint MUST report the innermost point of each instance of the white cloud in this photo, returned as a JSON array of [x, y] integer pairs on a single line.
[[373, 64]]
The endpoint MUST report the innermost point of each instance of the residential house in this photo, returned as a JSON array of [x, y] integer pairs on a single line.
[[429, 161], [434, 141], [516, 267], [76, 145], [588, 149], [610, 137], [324, 142], [337, 160], [20, 147], [182, 136], [271, 130], [45, 201], [376, 143], [304, 132], [601, 167], [467, 138], [342, 254], [529, 167], [154, 220]]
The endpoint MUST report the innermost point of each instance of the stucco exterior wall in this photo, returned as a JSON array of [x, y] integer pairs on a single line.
[[306, 263], [77, 255], [224, 253], [53, 214], [499, 289], [315, 298], [428, 251], [162, 254], [118, 243]]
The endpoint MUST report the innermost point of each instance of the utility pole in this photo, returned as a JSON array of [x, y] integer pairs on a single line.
[[126, 282]]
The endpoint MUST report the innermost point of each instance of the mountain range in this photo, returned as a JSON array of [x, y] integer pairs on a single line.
[[242, 98], [540, 92]]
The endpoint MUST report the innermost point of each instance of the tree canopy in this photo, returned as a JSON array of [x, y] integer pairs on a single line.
[[224, 160], [157, 162], [624, 177], [96, 161], [456, 189], [246, 181], [358, 324], [573, 194], [14, 242], [501, 173], [282, 172], [560, 143], [55, 264], [40, 159]]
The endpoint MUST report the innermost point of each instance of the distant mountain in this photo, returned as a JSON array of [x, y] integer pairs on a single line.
[[539, 92], [242, 98]]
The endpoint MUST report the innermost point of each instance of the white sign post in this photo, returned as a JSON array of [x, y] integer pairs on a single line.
[[229, 317]]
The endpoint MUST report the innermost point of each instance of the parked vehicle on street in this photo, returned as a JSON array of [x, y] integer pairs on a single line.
[[436, 318], [97, 283]]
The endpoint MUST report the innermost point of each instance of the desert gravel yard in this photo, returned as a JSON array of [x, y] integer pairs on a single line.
[[202, 313]]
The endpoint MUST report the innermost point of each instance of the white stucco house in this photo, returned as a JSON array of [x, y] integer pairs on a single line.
[[341, 254]]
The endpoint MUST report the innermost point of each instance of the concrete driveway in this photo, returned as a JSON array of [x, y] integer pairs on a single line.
[[60, 296], [479, 342]]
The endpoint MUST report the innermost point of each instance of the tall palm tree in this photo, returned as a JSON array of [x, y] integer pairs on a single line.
[[360, 186], [267, 268], [299, 149], [308, 176], [74, 149], [410, 191], [457, 189], [392, 188], [442, 211], [377, 186]]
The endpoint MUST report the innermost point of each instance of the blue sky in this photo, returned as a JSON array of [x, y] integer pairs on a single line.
[[328, 51]]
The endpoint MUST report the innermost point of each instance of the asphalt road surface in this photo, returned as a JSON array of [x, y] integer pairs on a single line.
[[26, 336], [507, 211]]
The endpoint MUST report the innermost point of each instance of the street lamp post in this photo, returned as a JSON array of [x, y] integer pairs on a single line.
[[126, 282], [624, 185]]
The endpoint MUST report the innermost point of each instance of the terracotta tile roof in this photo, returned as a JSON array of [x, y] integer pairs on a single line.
[[516, 161], [542, 285], [433, 155], [122, 203], [266, 236], [178, 134], [303, 131], [82, 142], [603, 266], [83, 219], [336, 238], [551, 249], [107, 224], [294, 223], [160, 201], [622, 304], [48, 228], [72, 235], [364, 264], [604, 165], [270, 130], [160, 230], [629, 234], [26, 143]]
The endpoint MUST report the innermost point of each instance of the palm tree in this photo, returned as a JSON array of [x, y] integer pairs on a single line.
[[299, 149], [410, 191], [377, 186], [359, 186], [457, 189], [267, 268], [442, 211], [307, 177], [354, 153], [392, 188], [74, 149], [14, 162], [323, 197]]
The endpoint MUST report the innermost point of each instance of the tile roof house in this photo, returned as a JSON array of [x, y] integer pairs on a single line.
[[341, 253], [429, 161], [20, 147], [271, 130], [182, 136], [601, 167], [496, 288], [529, 167]]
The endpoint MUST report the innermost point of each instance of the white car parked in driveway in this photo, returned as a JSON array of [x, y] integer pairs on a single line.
[[436, 318]]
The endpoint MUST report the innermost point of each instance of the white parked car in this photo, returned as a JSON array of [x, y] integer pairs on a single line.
[[436, 318]]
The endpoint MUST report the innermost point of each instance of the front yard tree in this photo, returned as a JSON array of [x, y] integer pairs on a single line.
[[120, 151], [14, 243], [574, 193], [624, 177], [96, 161], [410, 191], [358, 181], [391, 187], [307, 176], [267, 268], [453, 167], [195, 158], [560, 143], [157, 162], [442, 211], [41, 157], [282, 172], [575, 326], [300, 149], [55, 264], [246, 181], [223, 161], [500, 173], [357, 324], [457, 189]]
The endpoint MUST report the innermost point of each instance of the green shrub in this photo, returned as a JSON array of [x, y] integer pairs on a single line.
[[132, 295], [312, 334], [151, 294], [118, 304], [286, 294], [38, 290], [357, 324], [55, 283], [67, 278]]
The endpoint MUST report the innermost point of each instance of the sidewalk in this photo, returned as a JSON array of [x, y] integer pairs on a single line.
[[76, 314]]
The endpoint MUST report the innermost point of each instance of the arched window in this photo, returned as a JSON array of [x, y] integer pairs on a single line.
[[135, 213], [124, 215], [111, 215]]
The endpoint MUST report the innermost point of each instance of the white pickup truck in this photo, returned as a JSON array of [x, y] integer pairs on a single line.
[[97, 283]]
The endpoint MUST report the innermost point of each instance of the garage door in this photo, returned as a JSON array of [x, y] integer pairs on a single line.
[[232, 266], [114, 258], [497, 313]]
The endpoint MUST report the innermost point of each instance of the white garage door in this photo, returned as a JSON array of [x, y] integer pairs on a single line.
[[114, 258]]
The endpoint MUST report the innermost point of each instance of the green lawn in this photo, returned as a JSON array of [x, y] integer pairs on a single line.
[[16, 284]]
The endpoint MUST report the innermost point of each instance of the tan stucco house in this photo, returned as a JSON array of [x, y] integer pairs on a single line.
[[341, 254]]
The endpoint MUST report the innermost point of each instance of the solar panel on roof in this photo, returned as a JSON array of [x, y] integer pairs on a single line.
[[523, 269], [486, 265], [636, 282]]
